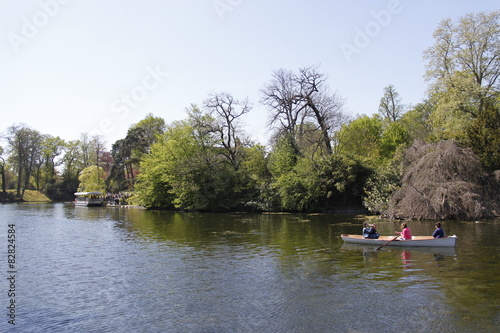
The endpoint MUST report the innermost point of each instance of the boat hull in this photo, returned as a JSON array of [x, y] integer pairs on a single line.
[[417, 241], [88, 199], [89, 203]]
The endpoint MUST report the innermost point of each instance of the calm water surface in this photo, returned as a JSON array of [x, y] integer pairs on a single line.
[[131, 270]]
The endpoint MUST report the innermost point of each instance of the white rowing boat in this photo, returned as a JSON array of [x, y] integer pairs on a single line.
[[416, 241]]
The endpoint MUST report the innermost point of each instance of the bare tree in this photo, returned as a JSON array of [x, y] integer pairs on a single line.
[[227, 111], [279, 96], [297, 100]]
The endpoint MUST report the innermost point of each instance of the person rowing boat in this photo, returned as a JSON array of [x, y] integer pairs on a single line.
[[372, 233]]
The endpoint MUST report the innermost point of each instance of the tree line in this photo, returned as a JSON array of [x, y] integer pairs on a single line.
[[318, 158]]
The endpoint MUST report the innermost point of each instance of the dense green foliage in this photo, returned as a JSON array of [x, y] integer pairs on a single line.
[[187, 169], [127, 153], [484, 136], [92, 179], [317, 159]]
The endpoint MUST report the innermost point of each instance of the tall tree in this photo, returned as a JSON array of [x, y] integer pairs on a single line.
[[390, 106], [127, 153], [91, 179], [25, 150], [227, 111], [152, 128], [188, 168], [84, 145], [417, 121], [117, 180], [468, 48], [278, 97], [298, 100], [52, 147], [2, 171], [73, 161], [360, 139], [484, 136]]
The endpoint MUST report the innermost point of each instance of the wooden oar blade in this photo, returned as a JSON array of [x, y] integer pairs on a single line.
[[381, 246]]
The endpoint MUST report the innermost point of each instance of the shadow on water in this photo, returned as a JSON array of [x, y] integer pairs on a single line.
[[209, 272], [454, 284]]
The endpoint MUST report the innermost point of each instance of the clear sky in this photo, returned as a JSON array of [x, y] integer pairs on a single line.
[[99, 66]]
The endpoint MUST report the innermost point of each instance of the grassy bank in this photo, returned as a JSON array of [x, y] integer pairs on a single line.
[[29, 196]]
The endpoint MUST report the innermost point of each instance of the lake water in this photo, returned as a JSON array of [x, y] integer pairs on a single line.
[[110, 269]]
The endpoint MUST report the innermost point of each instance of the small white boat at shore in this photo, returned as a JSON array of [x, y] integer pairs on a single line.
[[89, 199], [416, 241]]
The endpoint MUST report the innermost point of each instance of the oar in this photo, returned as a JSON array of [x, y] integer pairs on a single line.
[[381, 246]]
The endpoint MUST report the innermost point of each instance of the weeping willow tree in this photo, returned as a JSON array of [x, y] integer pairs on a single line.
[[443, 181], [92, 179]]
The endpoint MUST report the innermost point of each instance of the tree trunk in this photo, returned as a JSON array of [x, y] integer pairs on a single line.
[[2, 170], [19, 171], [322, 124]]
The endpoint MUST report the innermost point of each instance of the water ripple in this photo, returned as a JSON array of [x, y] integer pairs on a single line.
[[112, 270]]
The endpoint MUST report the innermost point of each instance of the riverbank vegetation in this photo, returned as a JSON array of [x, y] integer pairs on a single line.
[[438, 159]]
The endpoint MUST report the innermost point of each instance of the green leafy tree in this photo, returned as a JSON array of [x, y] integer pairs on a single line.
[[457, 105], [152, 128], [330, 183], [284, 156], [25, 150], [394, 136], [72, 164], [118, 180], [464, 66], [390, 106], [299, 189], [470, 45], [154, 183], [92, 179], [484, 136], [71, 161], [127, 153], [2, 171], [360, 139], [52, 148], [188, 169], [342, 180], [382, 183], [416, 121], [254, 164], [175, 173]]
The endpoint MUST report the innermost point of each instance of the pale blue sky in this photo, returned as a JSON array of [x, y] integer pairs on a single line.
[[74, 66]]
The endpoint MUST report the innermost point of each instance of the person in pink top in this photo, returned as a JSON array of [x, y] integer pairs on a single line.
[[406, 233]]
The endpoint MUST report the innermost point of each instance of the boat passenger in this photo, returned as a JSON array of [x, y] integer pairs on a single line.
[[439, 232], [372, 232], [406, 233], [365, 229]]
